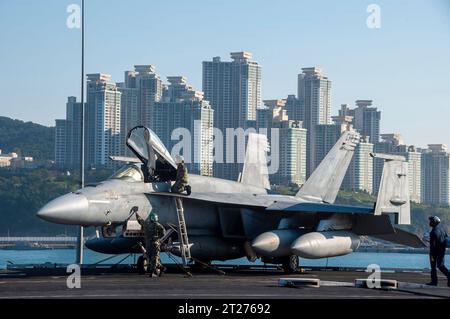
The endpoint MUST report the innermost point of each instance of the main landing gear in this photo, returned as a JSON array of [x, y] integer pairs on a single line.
[[290, 264]]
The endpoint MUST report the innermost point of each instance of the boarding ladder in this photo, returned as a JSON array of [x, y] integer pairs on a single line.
[[182, 233]]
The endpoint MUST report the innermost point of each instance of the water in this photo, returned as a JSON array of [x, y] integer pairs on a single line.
[[357, 259]]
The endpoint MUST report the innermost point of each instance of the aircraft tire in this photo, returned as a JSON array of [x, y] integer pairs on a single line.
[[141, 265], [290, 264]]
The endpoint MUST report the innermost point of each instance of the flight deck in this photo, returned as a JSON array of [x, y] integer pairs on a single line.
[[235, 284]]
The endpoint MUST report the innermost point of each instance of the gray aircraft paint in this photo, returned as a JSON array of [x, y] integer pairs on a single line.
[[224, 216]]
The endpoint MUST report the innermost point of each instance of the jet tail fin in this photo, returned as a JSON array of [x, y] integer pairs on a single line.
[[393, 195], [325, 181], [255, 171]]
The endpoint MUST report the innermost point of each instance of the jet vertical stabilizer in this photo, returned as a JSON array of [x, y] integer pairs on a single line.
[[393, 195], [325, 181], [255, 170]]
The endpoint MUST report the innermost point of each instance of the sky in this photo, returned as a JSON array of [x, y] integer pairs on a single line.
[[403, 66]]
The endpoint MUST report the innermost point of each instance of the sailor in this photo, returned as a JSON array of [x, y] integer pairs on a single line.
[[438, 245], [153, 231], [182, 179]]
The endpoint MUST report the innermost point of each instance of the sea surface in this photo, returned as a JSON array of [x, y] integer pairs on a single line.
[[357, 259]]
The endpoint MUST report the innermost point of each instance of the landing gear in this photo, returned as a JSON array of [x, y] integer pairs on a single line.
[[142, 265], [290, 264]]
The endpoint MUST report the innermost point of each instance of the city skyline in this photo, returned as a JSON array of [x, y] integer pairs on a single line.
[[113, 108], [402, 77]]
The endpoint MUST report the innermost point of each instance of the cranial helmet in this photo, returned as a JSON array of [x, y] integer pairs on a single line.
[[434, 219], [179, 159], [153, 217]]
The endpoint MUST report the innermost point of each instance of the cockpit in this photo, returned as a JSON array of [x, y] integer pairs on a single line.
[[127, 172]]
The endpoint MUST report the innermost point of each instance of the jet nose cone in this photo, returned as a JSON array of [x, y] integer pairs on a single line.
[[66, 209]]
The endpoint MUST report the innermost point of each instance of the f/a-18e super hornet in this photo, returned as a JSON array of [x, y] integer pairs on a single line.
[[232, 219]]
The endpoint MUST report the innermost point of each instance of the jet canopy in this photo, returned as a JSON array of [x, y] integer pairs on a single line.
[[157, 163], [129, 172]]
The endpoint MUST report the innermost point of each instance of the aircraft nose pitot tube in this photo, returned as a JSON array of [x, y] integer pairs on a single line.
[[325, 244], [275, 243]]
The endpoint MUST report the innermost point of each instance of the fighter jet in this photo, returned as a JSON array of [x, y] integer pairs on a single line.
[[232, 219]]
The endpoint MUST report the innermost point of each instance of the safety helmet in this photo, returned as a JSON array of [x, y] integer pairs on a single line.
[[153, 217], [179, 159], [434, 219]]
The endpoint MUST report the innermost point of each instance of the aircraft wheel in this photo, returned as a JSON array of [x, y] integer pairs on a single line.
[[142, 265], [290, 264]]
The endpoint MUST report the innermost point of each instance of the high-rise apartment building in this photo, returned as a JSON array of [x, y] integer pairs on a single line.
[[366, 119], [129, 108], [185, 119], [68, 136], [295, 108], [436, 175], [314, 91], [140, 89], [103, 128], [61, 143], [233, 89], [287, 139]]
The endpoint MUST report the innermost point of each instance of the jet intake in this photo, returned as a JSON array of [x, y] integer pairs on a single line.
[[317, 245]]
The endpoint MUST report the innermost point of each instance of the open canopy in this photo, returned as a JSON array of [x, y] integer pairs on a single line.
[[157, 162]]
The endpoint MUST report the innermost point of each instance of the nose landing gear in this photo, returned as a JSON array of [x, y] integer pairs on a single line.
[[142, 265]]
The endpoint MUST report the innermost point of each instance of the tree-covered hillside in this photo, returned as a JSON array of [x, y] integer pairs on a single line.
[[27, 138], [23, 193]]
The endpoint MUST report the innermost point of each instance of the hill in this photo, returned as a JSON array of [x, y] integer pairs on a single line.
[[23, 193], [27, 138]]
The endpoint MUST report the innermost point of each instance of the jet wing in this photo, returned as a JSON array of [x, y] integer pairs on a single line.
[[269, 203], [309, 207]]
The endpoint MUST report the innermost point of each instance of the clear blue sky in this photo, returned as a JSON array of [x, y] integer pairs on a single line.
[[404, 66]]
